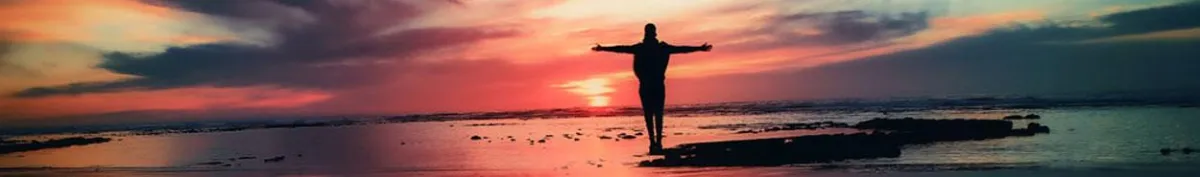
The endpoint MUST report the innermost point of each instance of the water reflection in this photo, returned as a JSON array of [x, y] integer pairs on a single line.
[[1118, 135], [139, 151]]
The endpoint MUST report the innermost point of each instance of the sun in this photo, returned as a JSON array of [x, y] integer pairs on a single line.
[[598, 101], [594, 90]]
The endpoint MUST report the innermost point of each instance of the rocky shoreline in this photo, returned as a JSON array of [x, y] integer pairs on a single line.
[[889, 136], [21, 146]]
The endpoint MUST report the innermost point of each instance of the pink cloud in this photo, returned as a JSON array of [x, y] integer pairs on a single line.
[[190, 98]]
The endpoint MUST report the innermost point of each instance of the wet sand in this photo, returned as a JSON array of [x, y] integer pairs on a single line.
[[547, 147]]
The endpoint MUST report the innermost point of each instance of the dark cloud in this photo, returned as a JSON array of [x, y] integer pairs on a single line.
[[6, 66], [838, 28], [1019, 61], [308, 55], [1156, 19], [1134, 22], [5, 44]]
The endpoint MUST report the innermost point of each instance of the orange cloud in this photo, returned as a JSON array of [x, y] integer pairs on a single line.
[[945, 28], [127, 25], [196, 98], [57, 20]]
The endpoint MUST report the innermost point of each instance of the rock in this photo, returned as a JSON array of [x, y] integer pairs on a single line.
[[274, 159], [828, 148], [1165, 151], [1038, 128], [1186, 150], [778, 151], [747, 131], [790, 126], [13, 146], [934, 130], [604, 137], [1019, 117], [1031, 129], [542, 141], [210, 163], [246, 157], [628, 137], [476, 137]]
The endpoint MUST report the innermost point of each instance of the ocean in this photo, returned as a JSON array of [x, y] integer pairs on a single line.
[[1089, 137]]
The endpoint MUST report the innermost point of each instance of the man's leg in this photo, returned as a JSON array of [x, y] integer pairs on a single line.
[[647, 111], [660, 104]]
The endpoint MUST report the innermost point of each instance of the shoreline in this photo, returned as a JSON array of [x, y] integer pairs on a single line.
[[678, 111]]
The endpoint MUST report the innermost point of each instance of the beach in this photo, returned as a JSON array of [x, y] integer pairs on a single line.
[[316, 88], [1110, 140]]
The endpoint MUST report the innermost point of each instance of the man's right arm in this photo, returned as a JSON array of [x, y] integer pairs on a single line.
[[618, 49]]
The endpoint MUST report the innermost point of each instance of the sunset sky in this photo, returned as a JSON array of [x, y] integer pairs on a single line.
[[128, 60]]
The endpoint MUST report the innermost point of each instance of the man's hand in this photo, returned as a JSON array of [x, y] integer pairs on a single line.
[[706, 47], [596, 48]]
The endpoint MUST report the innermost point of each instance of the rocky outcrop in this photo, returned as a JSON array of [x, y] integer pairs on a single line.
[[889, 137], [1019, 117], [780, 151], [54, 143]]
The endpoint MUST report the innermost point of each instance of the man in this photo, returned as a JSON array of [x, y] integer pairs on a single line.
[[650, 58]]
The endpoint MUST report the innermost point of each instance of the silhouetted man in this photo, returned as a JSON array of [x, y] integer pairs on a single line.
[[650, 58]]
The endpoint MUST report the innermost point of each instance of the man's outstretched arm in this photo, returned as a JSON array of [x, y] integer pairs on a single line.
[[689, 49], [618, 48]]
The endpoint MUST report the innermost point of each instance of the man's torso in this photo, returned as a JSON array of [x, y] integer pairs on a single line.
[[650, 61]]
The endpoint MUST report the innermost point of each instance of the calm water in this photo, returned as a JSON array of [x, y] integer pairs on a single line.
[[1084, 141]]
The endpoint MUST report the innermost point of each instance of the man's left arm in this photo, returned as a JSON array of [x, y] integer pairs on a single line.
[[689, 49]]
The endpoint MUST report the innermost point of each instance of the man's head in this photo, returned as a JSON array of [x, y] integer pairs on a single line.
[[651, 34]]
